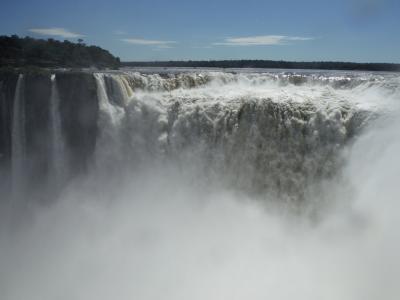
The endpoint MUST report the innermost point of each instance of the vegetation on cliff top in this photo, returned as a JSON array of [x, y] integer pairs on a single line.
[[27, 52]]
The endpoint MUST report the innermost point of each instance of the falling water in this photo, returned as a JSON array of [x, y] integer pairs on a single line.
[[58, 150], [110, 118], [18, 141], [242, 130]]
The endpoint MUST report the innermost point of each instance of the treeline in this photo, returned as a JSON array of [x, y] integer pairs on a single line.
[[269, 64], [27, 51]]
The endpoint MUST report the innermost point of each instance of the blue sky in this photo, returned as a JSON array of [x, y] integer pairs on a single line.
[[347, 30]]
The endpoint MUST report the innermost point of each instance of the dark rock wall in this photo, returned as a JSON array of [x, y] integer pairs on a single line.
[[78, 114], [8, 83], [37, 127]]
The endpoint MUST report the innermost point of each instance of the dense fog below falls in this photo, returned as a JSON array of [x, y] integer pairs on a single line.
[[230, 187]]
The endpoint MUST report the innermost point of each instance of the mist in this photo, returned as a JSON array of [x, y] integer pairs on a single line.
[[156, 235]]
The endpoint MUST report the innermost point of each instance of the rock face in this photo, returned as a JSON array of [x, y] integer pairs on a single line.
[[8, 83], [77, 110], [37, 104]]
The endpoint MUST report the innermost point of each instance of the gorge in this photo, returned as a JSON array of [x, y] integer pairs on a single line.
[[182, 183]]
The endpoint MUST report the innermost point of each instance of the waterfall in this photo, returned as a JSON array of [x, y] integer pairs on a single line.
[[240, 131], [18, 142], [58, 150], [108, 144], [243, 181], [260, 133]]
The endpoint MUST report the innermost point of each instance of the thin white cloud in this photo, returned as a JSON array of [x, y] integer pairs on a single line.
[[119, 32], [261, 40], [144, 42], [164, 47], [202, 47], [62, 32]]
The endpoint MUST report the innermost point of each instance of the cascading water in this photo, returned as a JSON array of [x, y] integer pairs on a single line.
[[110, 118], [255, 133], [215, 185], [58, 150], [18, 142]]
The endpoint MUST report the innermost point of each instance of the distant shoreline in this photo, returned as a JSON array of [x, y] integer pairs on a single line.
[[268, 64]]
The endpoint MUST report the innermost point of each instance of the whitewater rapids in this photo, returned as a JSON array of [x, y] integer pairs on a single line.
[[215, 185]]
